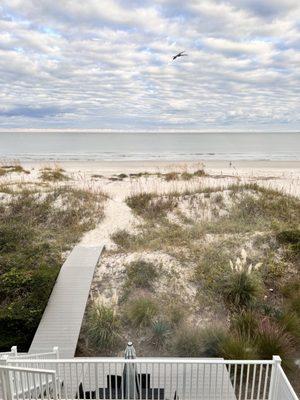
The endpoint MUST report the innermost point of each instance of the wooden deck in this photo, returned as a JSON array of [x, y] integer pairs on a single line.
[[62, 318]]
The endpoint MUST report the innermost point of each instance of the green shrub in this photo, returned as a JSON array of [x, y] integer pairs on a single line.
[[212, 265], [212, 338], [141, 274], [53, 175], [6, 169], [236, 347], [272, 340], [291, 238], [150, 206], [138, 203], [160, 333], [245, 323], [122, 238], [175, 313], [103, 328], [142, 311], [291, 292], [187, 176], [200, 172], [187, 342], [241, 289], [171, 176], [289, 321]]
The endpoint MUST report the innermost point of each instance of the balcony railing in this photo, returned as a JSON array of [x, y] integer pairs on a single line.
[[144, 378]]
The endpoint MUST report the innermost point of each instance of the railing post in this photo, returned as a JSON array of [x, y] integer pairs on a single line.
[[14, 351], [55, 351], [7, 384], [274, 378]]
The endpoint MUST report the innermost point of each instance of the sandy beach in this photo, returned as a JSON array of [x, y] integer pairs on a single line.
[[122, 179]]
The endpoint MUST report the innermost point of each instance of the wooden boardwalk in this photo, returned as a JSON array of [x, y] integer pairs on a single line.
[[62, 318]]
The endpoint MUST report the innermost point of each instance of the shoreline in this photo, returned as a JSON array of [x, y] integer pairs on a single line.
[[152, 164]]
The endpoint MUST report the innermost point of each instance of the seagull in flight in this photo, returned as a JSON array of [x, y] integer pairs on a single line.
[[181, 54]]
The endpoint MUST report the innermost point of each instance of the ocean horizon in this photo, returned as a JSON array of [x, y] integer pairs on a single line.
[[137, 146]]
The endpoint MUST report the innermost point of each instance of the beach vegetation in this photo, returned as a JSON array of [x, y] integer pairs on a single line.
[[142, 311], [290, 238], [56, 174], [187, 342], [160, 333], [15, 168], [272, 339], [149, 206], [141, 274], [37, 228], [103, 328], [236, 347], [241, 289]]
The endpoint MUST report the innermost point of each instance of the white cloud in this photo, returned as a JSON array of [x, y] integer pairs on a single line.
[[109, 63]]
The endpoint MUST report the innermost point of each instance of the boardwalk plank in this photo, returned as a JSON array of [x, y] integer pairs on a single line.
[[62, 318]]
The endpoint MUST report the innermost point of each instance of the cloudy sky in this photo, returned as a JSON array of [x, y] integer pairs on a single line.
[[107, 64]]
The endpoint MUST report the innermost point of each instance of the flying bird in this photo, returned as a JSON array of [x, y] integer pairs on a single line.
[[181, 54]]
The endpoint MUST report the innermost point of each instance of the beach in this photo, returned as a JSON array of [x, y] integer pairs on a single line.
[[188, 221], [120, 179]]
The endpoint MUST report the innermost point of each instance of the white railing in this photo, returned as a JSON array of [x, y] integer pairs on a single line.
[[163, 378], [283, 388], [13, 353], [27, 383], [51, 355], [160, 379]]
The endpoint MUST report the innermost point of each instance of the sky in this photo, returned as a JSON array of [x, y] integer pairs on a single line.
[[108, 64]]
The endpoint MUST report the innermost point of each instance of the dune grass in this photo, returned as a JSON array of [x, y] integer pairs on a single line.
[[14, 168], [37, 227], [54, 175], [263, 307]]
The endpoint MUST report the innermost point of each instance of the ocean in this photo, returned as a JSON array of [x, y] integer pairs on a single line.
[[175, 146]]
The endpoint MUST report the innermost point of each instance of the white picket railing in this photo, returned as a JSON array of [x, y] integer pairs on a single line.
[[27, 383], [157, 379], [283, 389], [13, 353]]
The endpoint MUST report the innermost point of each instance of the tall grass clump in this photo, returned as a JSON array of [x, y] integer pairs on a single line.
[[291, 238], [237, 347], [198, 342], [141, 274], [272, 340], [53, 175], [187, 342], [160, 333], [141, 312], [241, 289], [103, 327], [17, 168], [245, 323], [150, 206]]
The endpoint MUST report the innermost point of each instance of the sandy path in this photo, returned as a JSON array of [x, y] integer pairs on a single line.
[[117, 216]]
